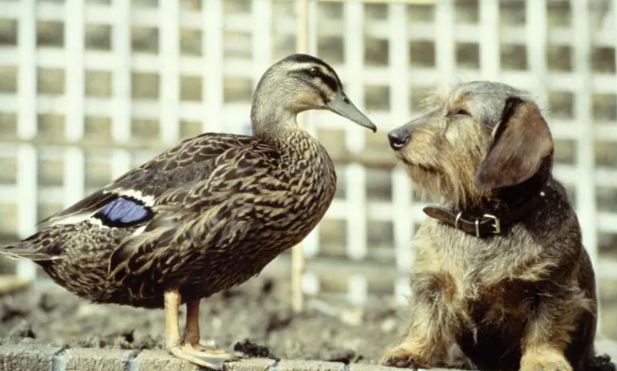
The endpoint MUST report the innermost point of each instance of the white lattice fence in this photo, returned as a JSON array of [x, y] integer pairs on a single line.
[[90, 89]]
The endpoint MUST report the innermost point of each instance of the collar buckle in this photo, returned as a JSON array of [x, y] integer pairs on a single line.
[[457, 220], [496, 223]]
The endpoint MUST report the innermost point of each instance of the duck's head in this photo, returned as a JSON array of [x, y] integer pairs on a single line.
[[297, 83]]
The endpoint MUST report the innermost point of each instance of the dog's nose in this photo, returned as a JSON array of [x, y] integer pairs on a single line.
[[398, 138]]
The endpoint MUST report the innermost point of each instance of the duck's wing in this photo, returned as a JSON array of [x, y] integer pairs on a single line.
[[206, 215], [137, 191]]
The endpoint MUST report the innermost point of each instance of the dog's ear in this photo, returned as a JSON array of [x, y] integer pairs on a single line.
[[521, 143]]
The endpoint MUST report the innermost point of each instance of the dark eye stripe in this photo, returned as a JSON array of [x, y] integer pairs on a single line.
[[329, 81], [305, 58]]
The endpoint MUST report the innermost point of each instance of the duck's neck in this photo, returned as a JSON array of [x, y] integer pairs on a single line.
[[273, 126], [272, 114]]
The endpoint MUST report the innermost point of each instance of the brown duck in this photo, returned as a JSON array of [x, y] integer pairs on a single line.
[[205, 215]]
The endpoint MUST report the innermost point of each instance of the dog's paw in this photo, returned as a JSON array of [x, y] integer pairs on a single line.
[[547, 365], [601, 363], [545, 360], [402, 356]]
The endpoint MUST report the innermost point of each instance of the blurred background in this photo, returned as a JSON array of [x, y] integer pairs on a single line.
[[91, 88]]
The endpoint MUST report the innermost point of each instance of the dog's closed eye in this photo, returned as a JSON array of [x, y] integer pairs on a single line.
[[462, 112]]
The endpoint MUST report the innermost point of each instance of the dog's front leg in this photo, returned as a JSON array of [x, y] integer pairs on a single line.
[[549, 332], [430, 340]]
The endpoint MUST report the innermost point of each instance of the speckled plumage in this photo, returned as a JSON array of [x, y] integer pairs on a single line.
[[224, 206], [207, 214]]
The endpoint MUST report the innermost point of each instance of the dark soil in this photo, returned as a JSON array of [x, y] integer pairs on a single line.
[[254, 318]]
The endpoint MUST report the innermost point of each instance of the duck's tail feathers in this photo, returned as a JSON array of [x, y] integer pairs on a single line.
[[24, 251]]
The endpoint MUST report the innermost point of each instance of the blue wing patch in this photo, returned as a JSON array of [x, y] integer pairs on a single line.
[[123, 212]]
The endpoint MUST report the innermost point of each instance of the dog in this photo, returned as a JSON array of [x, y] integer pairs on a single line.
[[501, 279]]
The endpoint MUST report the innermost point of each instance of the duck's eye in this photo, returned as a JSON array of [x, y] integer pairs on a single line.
[[314, 71], [462, 112]]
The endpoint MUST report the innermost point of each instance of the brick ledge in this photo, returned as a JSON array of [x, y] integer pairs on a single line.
[[34, 357]]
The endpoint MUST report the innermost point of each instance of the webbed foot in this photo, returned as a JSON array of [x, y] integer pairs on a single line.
[[205, 356]]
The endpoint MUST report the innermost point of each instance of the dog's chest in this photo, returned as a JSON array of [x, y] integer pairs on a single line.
[[489, 268], [505, 300]]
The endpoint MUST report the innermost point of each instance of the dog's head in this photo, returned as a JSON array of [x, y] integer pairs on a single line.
[[479, 137]]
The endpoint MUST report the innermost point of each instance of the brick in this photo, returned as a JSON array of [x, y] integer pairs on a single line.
[[365, 367], [155, 360], [95, 359], [299, 365], [251, 364], [34, 357], [31, 357]]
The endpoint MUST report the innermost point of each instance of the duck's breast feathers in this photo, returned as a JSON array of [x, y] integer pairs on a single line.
[[138, 190]]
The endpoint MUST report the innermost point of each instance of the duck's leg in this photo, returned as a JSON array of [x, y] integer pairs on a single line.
[[191, 331], [183, 349]]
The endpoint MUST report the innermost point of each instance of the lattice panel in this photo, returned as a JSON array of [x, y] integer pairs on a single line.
[[89, 89]]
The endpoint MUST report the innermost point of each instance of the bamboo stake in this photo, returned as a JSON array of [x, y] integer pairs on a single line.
[[297, 254]]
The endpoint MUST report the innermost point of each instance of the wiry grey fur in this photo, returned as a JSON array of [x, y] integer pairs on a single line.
[[522, 299]]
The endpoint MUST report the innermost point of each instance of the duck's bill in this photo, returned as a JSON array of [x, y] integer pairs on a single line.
[[344, 107]]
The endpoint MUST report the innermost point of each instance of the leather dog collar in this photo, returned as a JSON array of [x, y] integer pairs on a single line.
[[488, 224]]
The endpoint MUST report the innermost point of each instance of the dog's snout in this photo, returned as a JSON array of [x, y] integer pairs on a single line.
[[398, 138]]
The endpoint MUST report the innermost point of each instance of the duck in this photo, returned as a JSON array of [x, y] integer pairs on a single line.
[[205, 215]]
